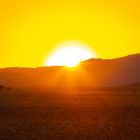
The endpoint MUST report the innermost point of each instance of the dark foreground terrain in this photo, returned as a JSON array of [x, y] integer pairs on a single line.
[[69, 116]]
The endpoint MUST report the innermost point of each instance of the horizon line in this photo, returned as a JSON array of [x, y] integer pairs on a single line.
[[104, 59]]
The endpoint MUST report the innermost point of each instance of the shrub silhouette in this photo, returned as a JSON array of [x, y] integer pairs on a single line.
[[8, 88], [1, 87]]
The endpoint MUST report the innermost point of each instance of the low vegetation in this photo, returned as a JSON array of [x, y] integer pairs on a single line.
[[66, 115]]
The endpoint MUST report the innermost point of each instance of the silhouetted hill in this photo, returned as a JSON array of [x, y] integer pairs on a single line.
[[91, 73], [115, 72]]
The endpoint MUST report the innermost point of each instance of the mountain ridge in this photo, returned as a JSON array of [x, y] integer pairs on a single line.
[[92, 73]]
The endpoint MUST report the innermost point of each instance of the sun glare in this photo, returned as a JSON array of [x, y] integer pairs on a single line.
[[70, 55]]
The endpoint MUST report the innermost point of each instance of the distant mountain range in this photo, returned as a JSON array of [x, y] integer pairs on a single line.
[[90, 73]]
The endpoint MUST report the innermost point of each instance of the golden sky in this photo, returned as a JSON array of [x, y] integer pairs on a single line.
[[30, 29]]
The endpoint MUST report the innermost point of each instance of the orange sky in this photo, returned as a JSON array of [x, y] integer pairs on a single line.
[[31, 29]]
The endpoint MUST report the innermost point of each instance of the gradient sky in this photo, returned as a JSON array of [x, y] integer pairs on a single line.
[[30, 29]]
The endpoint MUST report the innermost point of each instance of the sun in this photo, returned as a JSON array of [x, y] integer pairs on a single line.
[[69, 55]]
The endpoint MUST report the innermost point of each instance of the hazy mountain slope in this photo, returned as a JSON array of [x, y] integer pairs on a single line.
[[91, 73], [118, 71]]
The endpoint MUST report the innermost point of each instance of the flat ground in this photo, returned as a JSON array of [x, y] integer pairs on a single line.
[[69, 116]]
